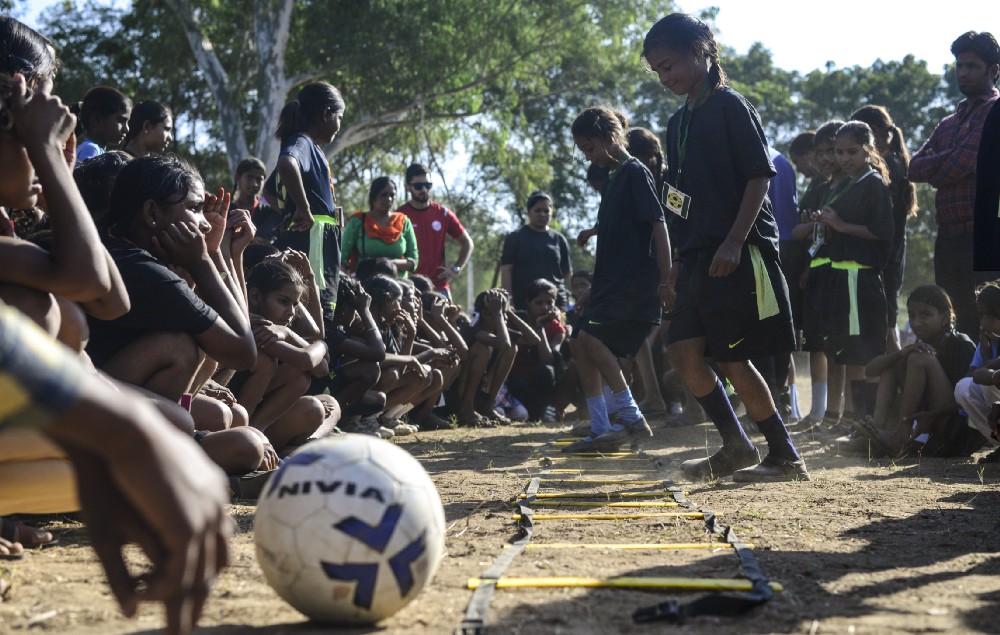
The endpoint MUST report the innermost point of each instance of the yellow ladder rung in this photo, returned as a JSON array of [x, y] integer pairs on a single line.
[[586, 481], [631, 546], [566, 470], [599, 495], [541, 517], [677, 584], [557, 503]]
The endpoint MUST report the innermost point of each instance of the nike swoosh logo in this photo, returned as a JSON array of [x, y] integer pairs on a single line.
[[736, 343]]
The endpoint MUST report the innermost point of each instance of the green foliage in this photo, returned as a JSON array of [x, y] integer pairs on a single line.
[[484, 92]]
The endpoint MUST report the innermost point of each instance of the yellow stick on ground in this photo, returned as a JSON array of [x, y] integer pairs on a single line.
[[677, 584], [599, 495], [631, 546], [585, 481], [540, 517], [551, 503], [580, 457], [566, 470], [598, 454]]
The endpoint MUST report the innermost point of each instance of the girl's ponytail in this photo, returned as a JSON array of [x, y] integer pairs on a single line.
[[290, 121]]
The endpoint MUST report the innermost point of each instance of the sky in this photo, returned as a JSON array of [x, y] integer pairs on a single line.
[[853, 32]]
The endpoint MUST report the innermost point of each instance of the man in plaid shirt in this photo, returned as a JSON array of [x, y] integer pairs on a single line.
[[947, 161]]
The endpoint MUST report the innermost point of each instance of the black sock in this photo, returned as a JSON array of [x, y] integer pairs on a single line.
[[779, 444], [720, 412]]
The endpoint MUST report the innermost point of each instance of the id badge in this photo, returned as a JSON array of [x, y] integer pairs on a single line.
[[819, 238], [675, 200]]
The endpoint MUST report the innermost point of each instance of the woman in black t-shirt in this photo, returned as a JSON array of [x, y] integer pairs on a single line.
[[535, 251]]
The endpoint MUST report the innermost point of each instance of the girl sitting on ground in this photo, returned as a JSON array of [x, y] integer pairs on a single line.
[[406, 379], [273, 392], [979, 393], [926, 373], [356, 349], [533, 376]]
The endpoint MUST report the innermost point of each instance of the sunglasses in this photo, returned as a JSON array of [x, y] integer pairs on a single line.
[[421, 186]]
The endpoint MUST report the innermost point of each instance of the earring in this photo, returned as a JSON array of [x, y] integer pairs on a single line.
[[152, 223]]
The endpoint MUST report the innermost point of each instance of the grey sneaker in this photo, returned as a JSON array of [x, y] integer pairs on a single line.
[[398, 426], [723, 463], [773, 470], [614, 439], [372, 428]]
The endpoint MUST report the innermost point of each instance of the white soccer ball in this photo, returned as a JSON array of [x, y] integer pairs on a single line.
[[350, 529]]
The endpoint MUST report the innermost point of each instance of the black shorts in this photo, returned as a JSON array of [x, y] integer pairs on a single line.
[[624, 338], [814, 307], [855, 339], [724, 310]]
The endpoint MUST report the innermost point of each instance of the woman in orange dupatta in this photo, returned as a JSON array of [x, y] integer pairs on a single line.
[[381, 232]]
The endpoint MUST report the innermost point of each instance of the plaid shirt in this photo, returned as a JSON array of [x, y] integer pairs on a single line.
[[948, 159]]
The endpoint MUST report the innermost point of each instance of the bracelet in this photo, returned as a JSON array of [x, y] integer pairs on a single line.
[[664, 284]]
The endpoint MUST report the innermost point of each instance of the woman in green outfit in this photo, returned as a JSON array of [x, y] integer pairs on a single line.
[[381, 233]]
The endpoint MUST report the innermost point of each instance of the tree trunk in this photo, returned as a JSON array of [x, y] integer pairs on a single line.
[[271, 28], [218, 82]]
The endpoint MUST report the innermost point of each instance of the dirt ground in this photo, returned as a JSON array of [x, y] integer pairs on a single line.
[[868, 546]]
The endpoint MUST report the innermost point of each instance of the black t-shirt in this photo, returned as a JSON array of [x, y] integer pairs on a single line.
[[866, 202], [626, 274], [725, 149], [535, 255], [161, 301], [955, 351]]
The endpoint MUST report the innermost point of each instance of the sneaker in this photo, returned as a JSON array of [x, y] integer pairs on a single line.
[[586, 444], [773, 470], [614, 439], [856, 444], [372, 428], [723, 463], [398, 427], [579, 430], [249, 485]]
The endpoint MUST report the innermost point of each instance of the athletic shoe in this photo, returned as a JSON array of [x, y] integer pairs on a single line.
[[723, 463], [586, 444], [773, 470], [398, 427], [372, 428], [248, 486], [614, 439]]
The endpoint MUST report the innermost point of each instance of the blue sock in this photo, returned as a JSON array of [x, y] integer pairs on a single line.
[[599, 422], [779, 444], [625, 406], [818, 407], [716, 405], [793, 402], [609, 399]]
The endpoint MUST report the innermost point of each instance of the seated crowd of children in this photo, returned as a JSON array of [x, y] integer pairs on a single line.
[[242, 344]]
